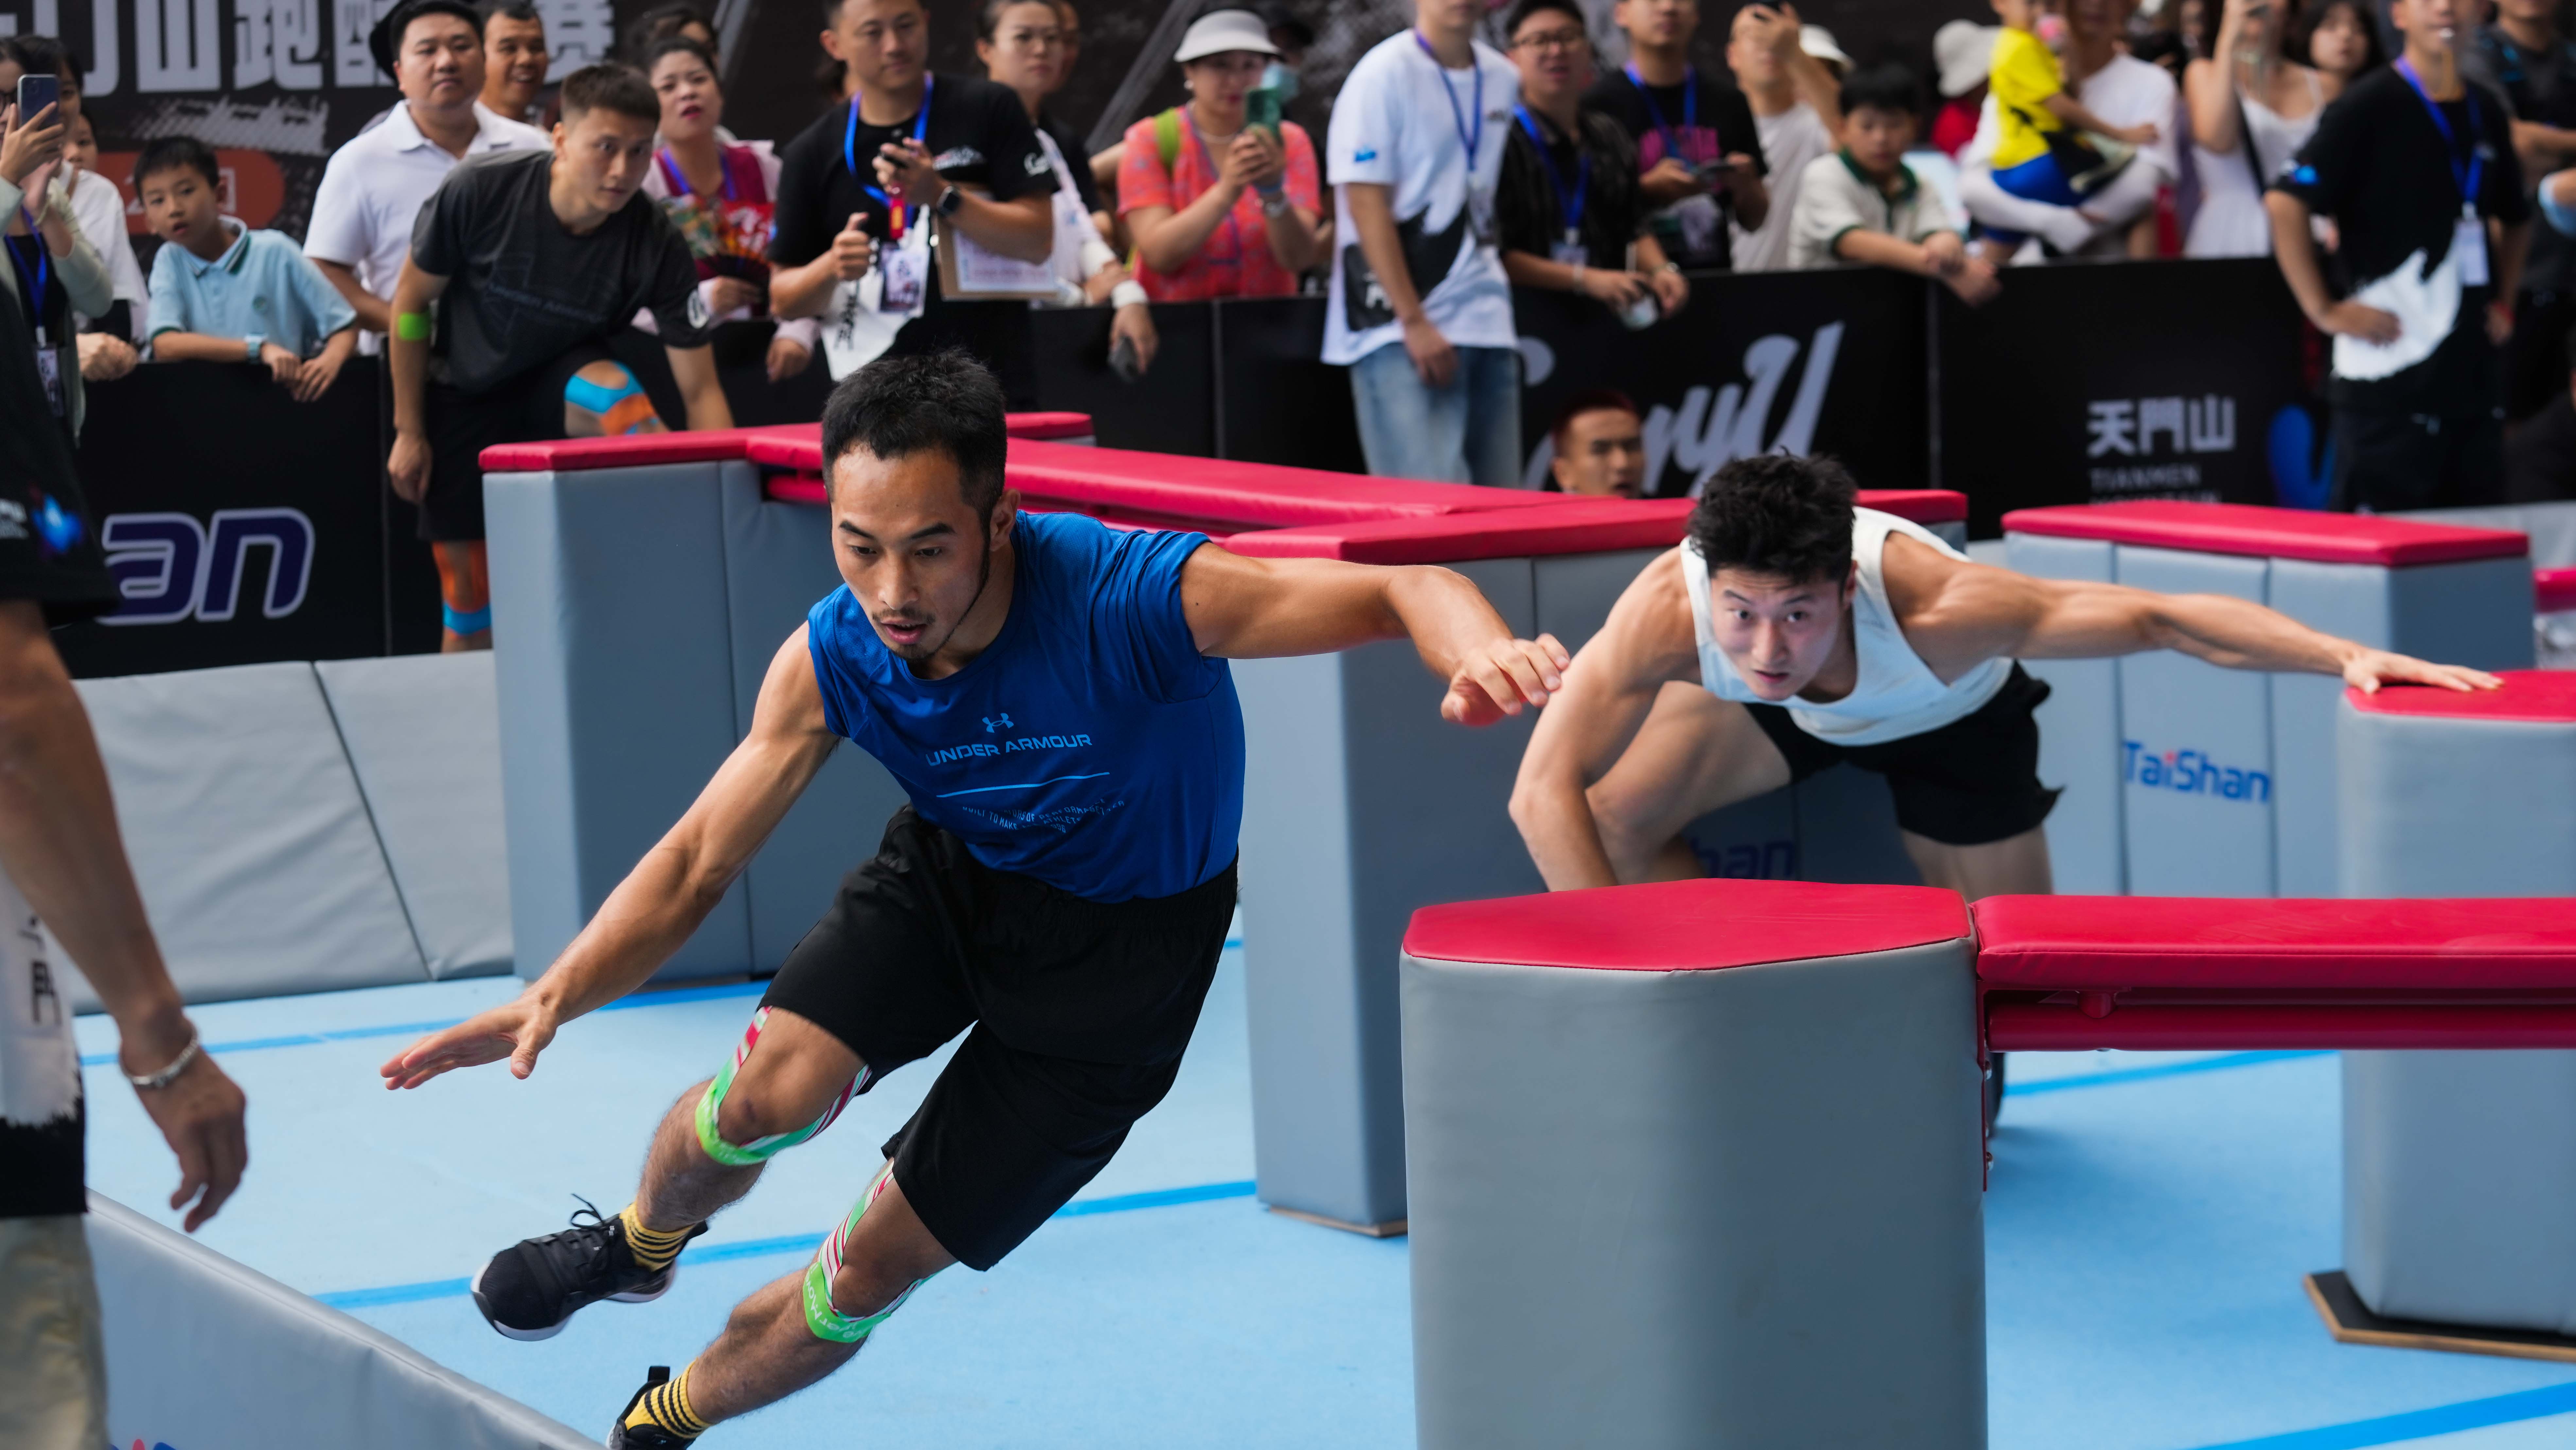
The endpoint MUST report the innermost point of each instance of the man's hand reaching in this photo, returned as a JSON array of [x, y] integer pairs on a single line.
[[2368, 669], [516, 1030], [1496, 680]]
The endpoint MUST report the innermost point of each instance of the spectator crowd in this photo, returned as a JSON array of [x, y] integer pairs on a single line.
[[500, 240]]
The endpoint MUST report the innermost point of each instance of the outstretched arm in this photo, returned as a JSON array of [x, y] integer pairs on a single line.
[[1971, 612], [653, 911], [1646, 641], [1242, 608]]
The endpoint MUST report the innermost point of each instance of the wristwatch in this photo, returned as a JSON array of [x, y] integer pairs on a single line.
[[949, 200], [252, 343], [1275, 203]]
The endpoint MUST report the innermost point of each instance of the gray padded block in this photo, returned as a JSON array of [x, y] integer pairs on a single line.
[[2552, 527], [1575, 591], [2355, 601], [2196, 747], [205, 1352], [1733, 1208], [1360, 805], [2079, 732], [1953, 533], [615, 681], [778, 564], [249, 838], [2458, 1165], [424, 737]]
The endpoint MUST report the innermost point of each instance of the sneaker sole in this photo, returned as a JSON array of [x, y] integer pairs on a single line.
[[551, 1330]]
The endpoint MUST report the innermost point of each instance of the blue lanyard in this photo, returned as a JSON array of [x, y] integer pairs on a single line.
[[895, 220], [2466, 178], [682, 181], [1233, 228], [1469, 137], [36, 294], [1570, 201], [1690, 109]]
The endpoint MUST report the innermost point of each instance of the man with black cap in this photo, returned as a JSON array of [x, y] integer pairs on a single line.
[[374, 187]]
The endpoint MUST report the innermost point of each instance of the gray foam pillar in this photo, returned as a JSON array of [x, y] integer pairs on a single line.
[[2458, 1166], [1656, 1207]]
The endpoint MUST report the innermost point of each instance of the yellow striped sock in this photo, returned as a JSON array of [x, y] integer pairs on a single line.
[[652, 1249], [666, 1407]]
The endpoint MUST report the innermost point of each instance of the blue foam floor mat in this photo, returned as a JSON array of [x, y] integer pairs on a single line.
[[2149, 1219]]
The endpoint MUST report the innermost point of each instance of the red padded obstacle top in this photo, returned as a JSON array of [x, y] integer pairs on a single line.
[[1047, 425], [2101, 943], [2548, 696], [1686, 926], [2553, 590], [2230, 528]]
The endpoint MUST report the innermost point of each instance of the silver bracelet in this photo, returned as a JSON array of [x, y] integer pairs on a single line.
[[178, 1065]]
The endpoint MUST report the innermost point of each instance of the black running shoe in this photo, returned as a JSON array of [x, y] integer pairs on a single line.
[[645, 1437], [529, 1290]]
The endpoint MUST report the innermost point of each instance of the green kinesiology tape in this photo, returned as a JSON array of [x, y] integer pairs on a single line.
[[821, 1319], [411, 327], [759, 1150]]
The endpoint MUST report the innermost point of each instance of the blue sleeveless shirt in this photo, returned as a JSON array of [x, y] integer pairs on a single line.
[[1091, 746]]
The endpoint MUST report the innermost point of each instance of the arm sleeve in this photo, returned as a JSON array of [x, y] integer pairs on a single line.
[[169, 305], [85, 279], [1826, 208], [330, 311], [338, 230], [1142, 178], [1140, 619], [1736, 133], [2334, 160], [798, 234], [679, 312], [1018, 165], [1521, 198], [1360, 144], [438, 236], [2501, 192]]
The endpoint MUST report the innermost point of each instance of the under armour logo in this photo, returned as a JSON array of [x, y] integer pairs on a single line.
[[998, 722]]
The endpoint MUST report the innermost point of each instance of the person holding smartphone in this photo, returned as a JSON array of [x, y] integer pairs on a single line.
[[53, 271], [1221, 203], [1700, 156]]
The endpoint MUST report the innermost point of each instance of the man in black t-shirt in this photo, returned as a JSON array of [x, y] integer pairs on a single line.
[[2416, 167], [61, 863], [1699, 153], [857, 187], [1567, 207], [534, 259]]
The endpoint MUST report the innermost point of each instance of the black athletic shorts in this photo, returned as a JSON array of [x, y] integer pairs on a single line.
[[1972, 781], [527, 409], [1080, 1011]]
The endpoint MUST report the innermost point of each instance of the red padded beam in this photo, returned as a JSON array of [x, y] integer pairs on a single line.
[[1049, 426], [2544, 696], [2111, 943], [2553, 590], [2231, 528], [1686, 926], [2037, 1027]]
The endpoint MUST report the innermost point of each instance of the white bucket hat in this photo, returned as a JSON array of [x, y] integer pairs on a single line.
[[1964, 51], [1219, 31]]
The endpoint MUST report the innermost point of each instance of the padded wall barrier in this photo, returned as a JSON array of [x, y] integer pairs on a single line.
[[206, 1353]]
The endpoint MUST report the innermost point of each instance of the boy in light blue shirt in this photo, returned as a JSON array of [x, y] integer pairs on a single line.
[[222, 292]]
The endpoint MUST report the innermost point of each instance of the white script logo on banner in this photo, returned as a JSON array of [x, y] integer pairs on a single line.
[[1713, 425]]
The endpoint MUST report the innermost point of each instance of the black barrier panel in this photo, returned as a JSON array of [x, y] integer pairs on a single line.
[[1277, 400], [1172, 409], [1812, 362], [2092, 384], [242, 526]]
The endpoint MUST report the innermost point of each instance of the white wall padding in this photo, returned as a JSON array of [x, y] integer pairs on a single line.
[[424, 736], [259, 868], [202, 1352]]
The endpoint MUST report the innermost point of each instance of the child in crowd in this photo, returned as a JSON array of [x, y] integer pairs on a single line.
[[2038, 157], [1864, 204], [222, 292]]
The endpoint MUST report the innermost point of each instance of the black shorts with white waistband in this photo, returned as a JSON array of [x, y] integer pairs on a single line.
[[1075, 1011], [1968, 783]]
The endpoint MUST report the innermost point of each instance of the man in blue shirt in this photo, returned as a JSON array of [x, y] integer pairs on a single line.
[[1054, 697]]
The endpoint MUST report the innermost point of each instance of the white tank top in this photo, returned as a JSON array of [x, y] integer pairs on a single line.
[[1896, 695]]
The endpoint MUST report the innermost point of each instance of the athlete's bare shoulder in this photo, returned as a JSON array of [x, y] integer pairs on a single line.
[[1649, 634], [1957, 613]]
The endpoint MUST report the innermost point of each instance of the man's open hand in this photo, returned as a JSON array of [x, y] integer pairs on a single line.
[[516, 1030], [2369, 669], [1495, 680]]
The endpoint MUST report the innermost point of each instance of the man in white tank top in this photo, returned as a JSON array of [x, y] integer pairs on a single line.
[[1793, 631]]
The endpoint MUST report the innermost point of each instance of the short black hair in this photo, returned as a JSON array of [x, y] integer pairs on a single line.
[[519, 10], [45, 56], [1589, 400], [945, 402], [2300, 42], [610, 86], [176, 153], [385, 41], [832, 10], [1280, 20], [661, 23], [1522, 10], [1777, 514], [1882, 88], [677, 44]]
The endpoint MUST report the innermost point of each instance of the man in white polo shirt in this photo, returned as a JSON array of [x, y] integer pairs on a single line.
[[1420, 311], [373, 189]]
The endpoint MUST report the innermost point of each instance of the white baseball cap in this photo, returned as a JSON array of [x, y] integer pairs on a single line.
[[1219, 31], [1964, 51]]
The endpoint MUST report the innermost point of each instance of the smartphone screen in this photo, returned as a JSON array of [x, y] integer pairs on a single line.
[[1261, 108], [35, 93]]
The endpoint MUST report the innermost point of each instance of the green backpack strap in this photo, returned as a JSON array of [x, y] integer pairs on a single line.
[[1167, 136]]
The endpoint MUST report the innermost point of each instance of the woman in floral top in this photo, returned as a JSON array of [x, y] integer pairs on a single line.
[[1219, 208], [719, 194]]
